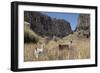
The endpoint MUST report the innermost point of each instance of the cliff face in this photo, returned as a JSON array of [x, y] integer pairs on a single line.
[[83, 23], [46, 26]]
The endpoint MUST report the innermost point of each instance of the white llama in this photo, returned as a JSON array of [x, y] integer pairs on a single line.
[[39, 50]]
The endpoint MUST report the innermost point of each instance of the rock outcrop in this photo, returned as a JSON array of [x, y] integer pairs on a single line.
[[84, 24], [44, 25]]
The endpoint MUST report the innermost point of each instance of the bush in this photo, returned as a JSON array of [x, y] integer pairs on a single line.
[[30, 36]]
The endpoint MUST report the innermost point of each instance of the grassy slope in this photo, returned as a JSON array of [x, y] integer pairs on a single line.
[[81, 49]]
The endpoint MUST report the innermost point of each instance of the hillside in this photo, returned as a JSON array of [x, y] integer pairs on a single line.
[[44, 25]]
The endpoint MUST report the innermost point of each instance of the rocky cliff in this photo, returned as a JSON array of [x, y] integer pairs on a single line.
[[44, 25], [84, 24]]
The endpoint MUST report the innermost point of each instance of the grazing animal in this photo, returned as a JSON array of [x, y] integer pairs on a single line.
[[63, 46], [39, 50], [66, 46]]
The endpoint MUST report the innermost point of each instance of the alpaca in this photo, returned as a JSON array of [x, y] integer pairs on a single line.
[[39, 50], [66, 46], [62, 46]]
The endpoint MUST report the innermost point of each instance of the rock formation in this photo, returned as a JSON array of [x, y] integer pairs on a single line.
[[44, 25], [84, 24]]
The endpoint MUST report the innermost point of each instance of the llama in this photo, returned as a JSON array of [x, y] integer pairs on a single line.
[[63, 46], [66, 46], [71, 45], [39, 50]]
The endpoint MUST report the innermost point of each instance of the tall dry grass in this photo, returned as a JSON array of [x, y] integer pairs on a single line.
[[80, 50]]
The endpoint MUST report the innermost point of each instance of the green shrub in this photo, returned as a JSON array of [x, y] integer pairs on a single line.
[[30, 36]]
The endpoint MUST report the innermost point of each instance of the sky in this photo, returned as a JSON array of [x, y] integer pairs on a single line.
[[70, 17]]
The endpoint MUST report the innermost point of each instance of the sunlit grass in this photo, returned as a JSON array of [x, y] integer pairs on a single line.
[[80, 50]]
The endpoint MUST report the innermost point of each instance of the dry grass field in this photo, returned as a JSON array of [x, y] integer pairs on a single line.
[[80, 49]]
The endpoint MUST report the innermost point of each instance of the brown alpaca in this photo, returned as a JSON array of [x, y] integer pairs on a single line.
[[64, 46]]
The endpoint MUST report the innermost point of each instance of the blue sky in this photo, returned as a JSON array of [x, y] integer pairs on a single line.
[[70, 17]]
